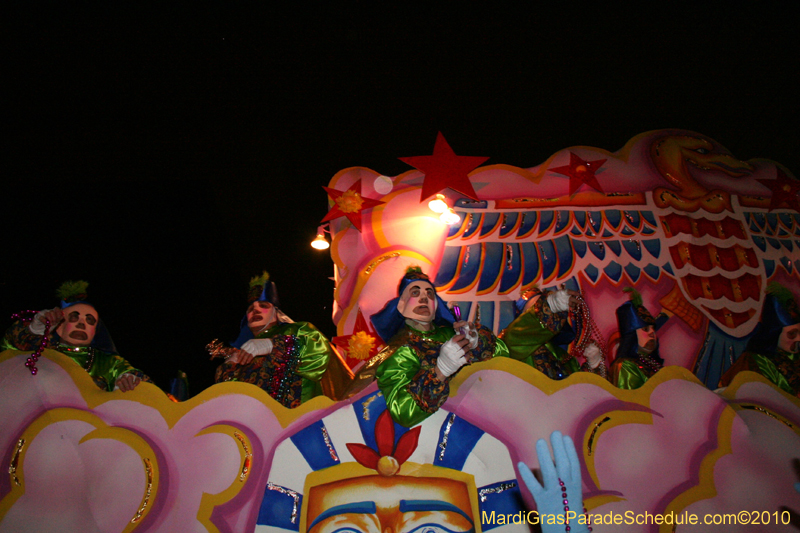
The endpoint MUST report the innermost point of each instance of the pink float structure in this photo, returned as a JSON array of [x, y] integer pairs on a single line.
[[672, 213]]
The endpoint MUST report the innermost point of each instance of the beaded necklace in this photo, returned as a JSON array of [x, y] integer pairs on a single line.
[[27, 317]]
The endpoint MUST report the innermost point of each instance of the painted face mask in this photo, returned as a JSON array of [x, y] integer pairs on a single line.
[[418, 302], [646, 337], [260, 315], [789, 341], [79, 326]]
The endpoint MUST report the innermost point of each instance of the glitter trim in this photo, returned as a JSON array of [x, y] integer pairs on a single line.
[[502, 487], [293, 494], [248, 456], [365, 406], [327, 440], [594, 432], [147, 493], [766, 412], [443, 444], [372, 266], [12, 467]]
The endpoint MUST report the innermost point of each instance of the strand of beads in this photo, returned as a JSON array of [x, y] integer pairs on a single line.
[[26, 317], [566, 504], [566, 507]]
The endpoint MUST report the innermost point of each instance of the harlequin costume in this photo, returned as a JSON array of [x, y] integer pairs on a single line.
[[291, 372], [99, 359], [632, 367], [535, 337], [407, 376], [762, 354]]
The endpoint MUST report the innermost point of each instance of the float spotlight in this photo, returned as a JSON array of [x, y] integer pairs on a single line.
[[320, 242], [438, 204], [450, 217]]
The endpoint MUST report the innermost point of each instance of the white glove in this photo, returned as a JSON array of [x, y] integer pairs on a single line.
[[451, 358], [558, 301], [593, 355], [472, 336], [258, 346], [37, 324]]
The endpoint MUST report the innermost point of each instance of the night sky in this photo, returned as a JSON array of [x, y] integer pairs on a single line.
[[168, 156]]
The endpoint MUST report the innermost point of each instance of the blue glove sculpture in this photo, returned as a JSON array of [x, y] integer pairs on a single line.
[[560, 501]]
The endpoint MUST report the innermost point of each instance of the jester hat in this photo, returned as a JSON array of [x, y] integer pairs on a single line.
[[388, 321], [633, 315], [260, 289]]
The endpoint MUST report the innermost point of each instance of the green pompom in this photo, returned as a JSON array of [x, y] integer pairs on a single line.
[[780, 293], [634, 295], [414, 270], [259, 281], [72, 291]]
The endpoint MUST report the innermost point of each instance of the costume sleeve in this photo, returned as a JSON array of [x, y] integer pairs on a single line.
[[767, 368], [316, 352], [532, 330], [488, 346], [626, 374], [412, 394], [20, 337], [109, 367]]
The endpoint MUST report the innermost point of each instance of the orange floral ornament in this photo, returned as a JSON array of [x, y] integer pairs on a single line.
[[349, 204]]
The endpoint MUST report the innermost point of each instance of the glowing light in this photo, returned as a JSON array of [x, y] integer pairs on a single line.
[[320, 243], [450, 217], [438, 204]]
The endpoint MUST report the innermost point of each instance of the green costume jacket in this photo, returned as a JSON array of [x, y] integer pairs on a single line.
[[627, 374], [407, 378], [105, 368], [782, 369], [291, 372], [528, 339]]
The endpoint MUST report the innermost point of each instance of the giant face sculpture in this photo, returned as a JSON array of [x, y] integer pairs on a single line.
[[79, 325], [400, 504], [418, 302]]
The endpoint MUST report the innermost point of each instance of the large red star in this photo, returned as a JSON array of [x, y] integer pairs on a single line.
[[445, 169], [349, 204], [784, 191], [580, 172], [361, 343]]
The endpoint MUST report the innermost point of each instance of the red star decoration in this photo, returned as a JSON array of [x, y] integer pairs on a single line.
[[342, 342], [580, 172], [349, 204], [445, 169], [784, 191]]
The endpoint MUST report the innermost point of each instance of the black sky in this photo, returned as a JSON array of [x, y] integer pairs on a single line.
[[167, 156]]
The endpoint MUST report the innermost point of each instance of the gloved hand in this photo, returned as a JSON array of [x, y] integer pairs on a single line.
[[593, 355], [258, 346], [550, 498], [469, 331], [559, 301], [451, 356], [55, 316]]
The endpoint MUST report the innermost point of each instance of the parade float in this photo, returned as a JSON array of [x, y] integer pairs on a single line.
[[673, 214]]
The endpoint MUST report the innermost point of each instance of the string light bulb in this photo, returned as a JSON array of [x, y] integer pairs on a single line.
[[450, 217], [320, 243], [438, 205]]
